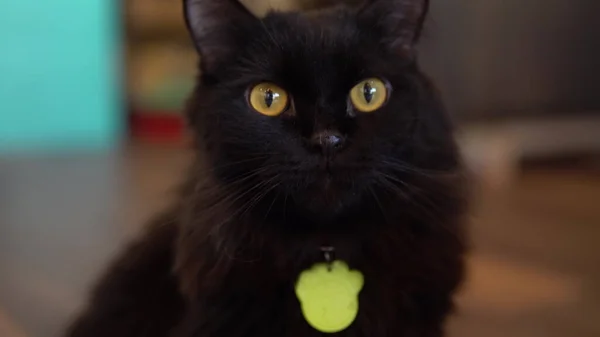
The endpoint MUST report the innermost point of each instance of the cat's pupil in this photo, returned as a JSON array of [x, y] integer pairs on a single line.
[[269, 98], [368, 91]]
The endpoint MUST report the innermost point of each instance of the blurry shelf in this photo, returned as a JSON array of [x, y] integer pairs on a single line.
[[143, 38], [158, 126], [545, 136], [155, 20]]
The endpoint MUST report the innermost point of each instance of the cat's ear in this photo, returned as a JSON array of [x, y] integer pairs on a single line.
[[399, 22], [216, 27]]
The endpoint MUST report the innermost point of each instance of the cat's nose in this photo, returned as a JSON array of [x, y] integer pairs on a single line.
[[328, 142]]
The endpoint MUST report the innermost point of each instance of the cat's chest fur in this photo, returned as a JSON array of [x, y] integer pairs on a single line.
[[407, 290]]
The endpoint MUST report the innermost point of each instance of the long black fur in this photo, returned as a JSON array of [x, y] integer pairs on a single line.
[[259, 202]]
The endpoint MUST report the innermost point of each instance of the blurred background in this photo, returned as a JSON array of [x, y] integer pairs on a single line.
[[92, 141]]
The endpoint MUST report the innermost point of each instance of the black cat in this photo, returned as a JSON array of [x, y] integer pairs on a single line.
[[317, 136]]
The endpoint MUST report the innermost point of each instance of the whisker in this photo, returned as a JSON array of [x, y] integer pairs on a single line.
[[236, 163], [378, 203], [425, 210], [248, 205], [237, 198], [408, 168]]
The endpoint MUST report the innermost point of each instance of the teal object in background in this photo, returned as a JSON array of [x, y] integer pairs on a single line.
[[60, 85]]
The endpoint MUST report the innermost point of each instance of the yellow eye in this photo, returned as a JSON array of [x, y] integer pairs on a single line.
[[369, 95], [268, 99]]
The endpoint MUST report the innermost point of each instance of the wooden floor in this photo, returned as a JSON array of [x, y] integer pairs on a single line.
[[535, 269]]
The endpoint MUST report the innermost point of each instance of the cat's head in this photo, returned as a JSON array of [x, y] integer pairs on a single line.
[[316, 113]]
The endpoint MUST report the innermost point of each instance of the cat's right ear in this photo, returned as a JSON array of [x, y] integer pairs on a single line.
[[216, 28], [398, 23]]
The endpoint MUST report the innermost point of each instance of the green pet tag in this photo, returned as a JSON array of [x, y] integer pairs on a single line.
[[328, 295]]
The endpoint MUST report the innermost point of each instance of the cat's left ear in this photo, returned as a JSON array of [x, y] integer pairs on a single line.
[[217, 27], [398, 22]]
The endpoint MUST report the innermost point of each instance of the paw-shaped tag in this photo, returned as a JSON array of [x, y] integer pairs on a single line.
[[328, 295]]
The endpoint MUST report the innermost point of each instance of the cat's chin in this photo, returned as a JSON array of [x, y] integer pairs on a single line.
[[330, 196]]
